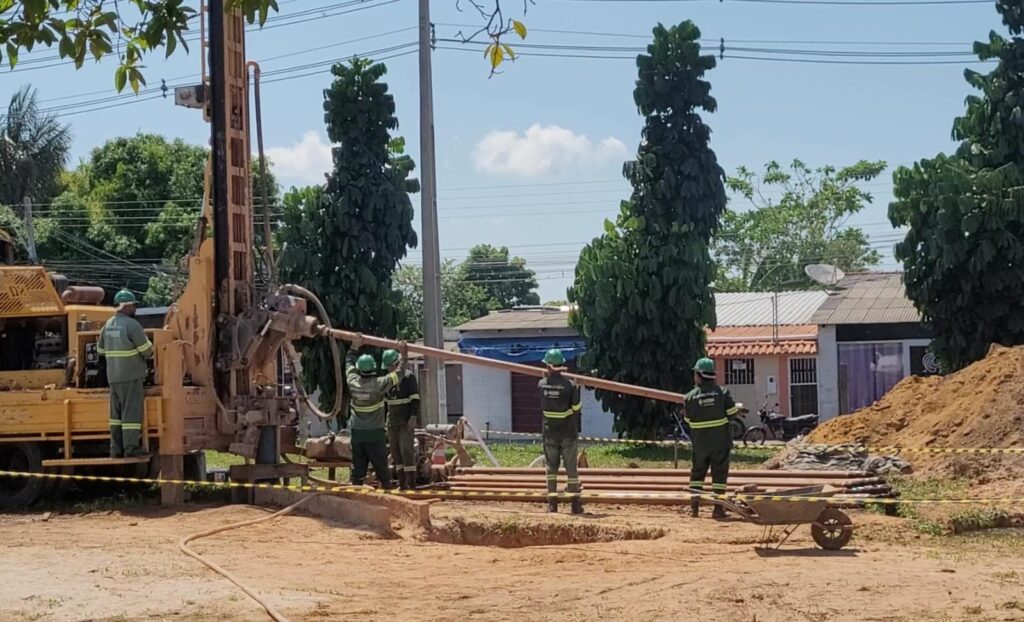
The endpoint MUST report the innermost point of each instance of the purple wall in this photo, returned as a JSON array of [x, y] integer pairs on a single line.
[[870, 370]]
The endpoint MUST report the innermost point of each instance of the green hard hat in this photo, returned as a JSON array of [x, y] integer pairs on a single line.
[[366, 365], [124, 297], [705, 366], [389, 358], [554, 358]]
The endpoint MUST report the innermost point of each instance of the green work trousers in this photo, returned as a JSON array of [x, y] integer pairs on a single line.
[[562, 450], [126, 400], [365, 453], [401, 442], [711, 450]]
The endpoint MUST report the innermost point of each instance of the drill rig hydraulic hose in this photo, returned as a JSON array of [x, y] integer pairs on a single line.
[[339, 376]]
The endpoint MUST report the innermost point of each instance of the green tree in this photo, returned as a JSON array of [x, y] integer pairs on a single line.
[[506, 280], [767, 247], [643, 288], [33, 151], [128, 214], [963, 253], [344, 241], [461, 301]]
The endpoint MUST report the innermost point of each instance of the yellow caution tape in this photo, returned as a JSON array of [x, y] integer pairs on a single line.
[[682, 496], [895, 449]]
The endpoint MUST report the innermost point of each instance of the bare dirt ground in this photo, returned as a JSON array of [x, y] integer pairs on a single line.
[[123, 566]]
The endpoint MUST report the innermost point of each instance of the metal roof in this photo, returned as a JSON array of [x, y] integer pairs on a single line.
[[734, 341], [756, 308], [868, 298], [530, 318]]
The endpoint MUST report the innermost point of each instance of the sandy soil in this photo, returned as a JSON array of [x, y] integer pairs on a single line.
[[126, 566]]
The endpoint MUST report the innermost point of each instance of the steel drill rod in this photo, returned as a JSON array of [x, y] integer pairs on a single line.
[[815, 475], [585, 381]]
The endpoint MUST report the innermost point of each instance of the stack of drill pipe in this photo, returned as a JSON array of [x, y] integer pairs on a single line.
[[662, 482]]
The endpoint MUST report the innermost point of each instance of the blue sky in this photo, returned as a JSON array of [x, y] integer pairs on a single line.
[[545, 191]]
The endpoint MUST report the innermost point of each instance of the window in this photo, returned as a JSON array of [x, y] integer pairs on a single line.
[[739, 371], [803, 387]]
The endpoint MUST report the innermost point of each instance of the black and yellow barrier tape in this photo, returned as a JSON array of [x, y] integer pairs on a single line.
[[890, 450], [682, 496]]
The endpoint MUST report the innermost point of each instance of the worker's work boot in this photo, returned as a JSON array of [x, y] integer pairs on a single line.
[[403, 480], [718, 512], [553, 507], [577, 505], [695, 507]]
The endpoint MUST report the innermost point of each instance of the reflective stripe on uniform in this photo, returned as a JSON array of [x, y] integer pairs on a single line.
[[113, 354], [131, 426], [719, 486], [115, 422], [732, 411], [367, 409], [703, 425], [553, 414], [415, 397], [577, 407]]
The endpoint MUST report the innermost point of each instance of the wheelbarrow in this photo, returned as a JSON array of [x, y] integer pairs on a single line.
[[831, 528]]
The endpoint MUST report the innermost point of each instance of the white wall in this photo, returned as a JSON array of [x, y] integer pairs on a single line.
[[487, 397], [596, 421], [828, 373]]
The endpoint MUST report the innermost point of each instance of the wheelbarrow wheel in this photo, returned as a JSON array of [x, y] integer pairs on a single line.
[[832, 530]]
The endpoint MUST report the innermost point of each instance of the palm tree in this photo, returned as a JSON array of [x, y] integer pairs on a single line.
[[33, 150]]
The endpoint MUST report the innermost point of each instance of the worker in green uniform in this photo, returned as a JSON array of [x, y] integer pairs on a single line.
[[560, 403], [707, 410], [366, 423], [403, 408], [124, 344]]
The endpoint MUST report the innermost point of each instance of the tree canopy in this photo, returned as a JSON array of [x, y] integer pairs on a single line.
[[643, 288], [963, 255], [34, 148], [767, 247], [345, 240], [461, 301], [127, 214], [506, 280]]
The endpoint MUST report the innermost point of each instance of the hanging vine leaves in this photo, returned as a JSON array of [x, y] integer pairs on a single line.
[[344, 240], [643, 288], [963, 255], [133, 28]]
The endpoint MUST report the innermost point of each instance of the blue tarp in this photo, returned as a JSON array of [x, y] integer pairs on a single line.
[[523, 350]]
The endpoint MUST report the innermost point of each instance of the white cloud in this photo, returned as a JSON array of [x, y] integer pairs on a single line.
[[305, 162], [541, 150]]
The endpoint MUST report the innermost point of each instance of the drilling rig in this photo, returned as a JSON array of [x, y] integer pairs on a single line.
[[214, 381], [214, 376]]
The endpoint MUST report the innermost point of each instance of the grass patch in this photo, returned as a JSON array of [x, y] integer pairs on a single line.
[[520, 454], [939, 520]]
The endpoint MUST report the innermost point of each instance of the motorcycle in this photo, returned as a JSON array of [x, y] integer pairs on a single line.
[[678, 429], [778, 427]]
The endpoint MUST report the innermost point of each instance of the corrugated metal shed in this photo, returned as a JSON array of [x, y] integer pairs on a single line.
[[868, 298], [532, 318], [756, 308]]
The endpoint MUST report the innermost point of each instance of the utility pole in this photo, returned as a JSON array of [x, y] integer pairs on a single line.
[[436, 401], [30, 231]]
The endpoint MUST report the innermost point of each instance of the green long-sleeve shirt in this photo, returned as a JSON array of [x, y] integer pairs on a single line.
[[403, 401], [366, 402], [124, 343]]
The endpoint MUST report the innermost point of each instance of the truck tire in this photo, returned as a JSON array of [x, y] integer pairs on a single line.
[[20, 492]]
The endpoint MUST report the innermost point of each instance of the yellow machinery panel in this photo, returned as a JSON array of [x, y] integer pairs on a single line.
[[28, 292]]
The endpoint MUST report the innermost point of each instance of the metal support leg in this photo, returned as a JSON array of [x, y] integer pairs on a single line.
[[172, 467]]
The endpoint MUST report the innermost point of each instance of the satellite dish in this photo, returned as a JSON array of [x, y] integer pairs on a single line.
[[825, 274]]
